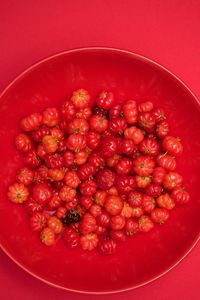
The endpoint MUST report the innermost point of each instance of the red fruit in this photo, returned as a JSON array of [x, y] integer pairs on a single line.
[[23, 142], [142, 181], [84, 113], [117, 126], [180, 195], [154, 190], [71, 238], [103, 219], [107, 247], [100, 197], [61, 212], [55, 201], [96, 160], [55, 224], [133, 133], [86, 171], [148, 203], [72, 204], [93, 139], [159, 215], [76, 142], [41, 153], [42, 193], [37, 221], [78, 126], [41, 174], [96, 110], [131, 227], [39, 133], [51, 117], [115, 111], [145, 106], [117, 222], [80, 98], [32, 206], [95, 210], [158, 175], [98, 123], [146, 120], [88, 187], [130, 112], [165, 201], [112, 161], [137, 212], [61, 146], [143, 165], [68, 158], [88, 224], [105, 179], [71, 179], [124, 166], [68, 111], [57, 133], [162, 129], [67, 193], [25, 176], [58, 185], [31, 122], [114, 205], [118, 235], [50, 144], [31, 159], [54, 160], [172, 145], [47, 236], [145, 224], [135, 198], [159, 114], [105, 100], [80, 158], [127, 210], [86, 201], [149, 146], [128, 147], [17, 193], [56, 174], [89, 241], [125, 184], [100, 230], [171, 180], [108, 147]]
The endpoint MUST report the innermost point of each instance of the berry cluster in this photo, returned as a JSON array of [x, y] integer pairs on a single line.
[[97, 175]]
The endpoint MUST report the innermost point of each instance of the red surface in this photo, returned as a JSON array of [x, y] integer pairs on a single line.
[[24, 42]]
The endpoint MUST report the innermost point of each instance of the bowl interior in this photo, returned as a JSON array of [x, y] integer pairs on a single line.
[[143, 257]]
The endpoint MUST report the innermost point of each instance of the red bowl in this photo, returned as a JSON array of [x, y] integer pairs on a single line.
[[144, 257]]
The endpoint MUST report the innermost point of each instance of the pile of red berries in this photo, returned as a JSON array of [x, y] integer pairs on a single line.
[[97, 175]]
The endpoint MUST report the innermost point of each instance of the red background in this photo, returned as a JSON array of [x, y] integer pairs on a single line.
[[166, 31]]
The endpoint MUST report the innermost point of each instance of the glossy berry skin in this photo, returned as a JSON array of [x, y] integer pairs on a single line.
[[115, 111], [145, 224], [95, 210], [56, 174], [84, 113], [54, 161], [100, 197], [68, 158], [125, 184], [143, 165], [57, 133], [158, 175], [78, 126], [96, 110], [37, 221], [47, 236], [41, 174], [55, 201], [117, 126], [166, 161], [40, 152], [51, 117], [165, 201], [86, 201], [67, 193], [145, 106], [130, 112], [113, 205], [31, 159], [105, 100], [61, 212], [142, 181], [68, 111], [31, 206], [72, 204], [31, 122], [23, 142], [103, 219], [160, 215], [71, 238], [98, 123], [135, 134], [50, 144], [159, 115], [131, 227], [89, 241], [96, 160], [137, 212], [118, 235], [180, 195], [128, 147], [124, 166], [42, 193], [39, 133], [172, 180], [86, 171], [162, 129], [148, 203], [55, 224], [17, 193], [117, 222], [80, 98], [135, 198], [107, 247], [149, 146], [93, 139], [25, 175], [105, 179], [71, 179], [113, 160], [154, 190], [172, 145], [88, 187], [76, 142], [108, 147], [80, 158]]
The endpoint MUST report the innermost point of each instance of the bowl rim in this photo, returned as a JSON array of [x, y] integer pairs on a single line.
[[129, 54]]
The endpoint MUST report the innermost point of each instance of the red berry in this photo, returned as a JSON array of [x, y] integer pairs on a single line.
[[114, 205], [107, 247], [88, 187], [125, 184], [105, 100], [105, 179]]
